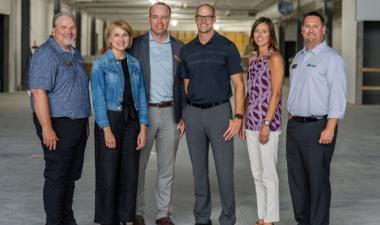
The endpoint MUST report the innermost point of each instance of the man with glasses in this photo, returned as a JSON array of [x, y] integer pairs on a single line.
[[208, 64], [158, 53]]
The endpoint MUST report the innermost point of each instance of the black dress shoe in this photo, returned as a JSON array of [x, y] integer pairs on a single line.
[[209, 223]]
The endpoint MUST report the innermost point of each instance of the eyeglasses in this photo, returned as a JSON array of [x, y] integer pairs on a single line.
[[200, 18]]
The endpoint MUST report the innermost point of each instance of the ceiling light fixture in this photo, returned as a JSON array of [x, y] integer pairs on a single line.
[[174, 22], [153, 1]]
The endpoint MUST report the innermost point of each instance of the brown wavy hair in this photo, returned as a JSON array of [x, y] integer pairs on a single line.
[[272, 34]]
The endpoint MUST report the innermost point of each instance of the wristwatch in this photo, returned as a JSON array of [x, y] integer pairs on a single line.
[[239, 116], [266, 122]]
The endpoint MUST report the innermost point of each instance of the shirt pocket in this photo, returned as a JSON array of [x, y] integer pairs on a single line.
[[217, 59], [113, 81], [68, 72], [317, 74]]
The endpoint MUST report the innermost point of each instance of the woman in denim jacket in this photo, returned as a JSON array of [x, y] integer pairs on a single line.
[[121, 116]]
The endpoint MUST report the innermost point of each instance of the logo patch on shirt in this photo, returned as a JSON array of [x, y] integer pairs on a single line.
[[68, 63], [311, 65], [294, 66]]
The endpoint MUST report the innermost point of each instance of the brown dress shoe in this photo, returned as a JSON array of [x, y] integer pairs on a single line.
[[139, 220], [164, 221]]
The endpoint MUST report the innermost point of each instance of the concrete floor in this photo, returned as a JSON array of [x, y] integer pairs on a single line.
[[355, 174]]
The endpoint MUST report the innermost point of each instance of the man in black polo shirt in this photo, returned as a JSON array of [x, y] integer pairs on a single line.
[[209, 63]]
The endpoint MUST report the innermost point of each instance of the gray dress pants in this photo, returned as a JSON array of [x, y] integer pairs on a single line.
[[204, 127], [162, 131]]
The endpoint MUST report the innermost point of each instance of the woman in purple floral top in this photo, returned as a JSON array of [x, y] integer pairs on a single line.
[[262, 122]]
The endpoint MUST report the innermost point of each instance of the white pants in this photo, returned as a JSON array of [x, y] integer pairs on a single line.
[[263, 159]]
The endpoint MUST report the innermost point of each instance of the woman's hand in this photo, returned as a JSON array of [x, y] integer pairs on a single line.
[[141, 138], [264, 134], [109, 138]]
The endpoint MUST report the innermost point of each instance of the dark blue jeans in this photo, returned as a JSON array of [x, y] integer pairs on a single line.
[[116, 171], [63, 167]]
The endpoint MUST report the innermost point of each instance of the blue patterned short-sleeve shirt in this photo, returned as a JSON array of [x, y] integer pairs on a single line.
[[63, 76]]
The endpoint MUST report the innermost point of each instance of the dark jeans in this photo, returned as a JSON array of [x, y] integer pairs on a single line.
[[116, 171], [309, 171], [63, 167]]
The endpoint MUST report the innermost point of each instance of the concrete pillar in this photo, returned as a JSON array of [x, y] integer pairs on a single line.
[[328, 13], [99, 34], [349, 49], [14, 82], [85, 33], [93, 39], [78, 42], [57, 6], [25, 40]]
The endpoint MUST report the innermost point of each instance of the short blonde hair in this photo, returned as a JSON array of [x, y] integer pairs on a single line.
[[121, 24]]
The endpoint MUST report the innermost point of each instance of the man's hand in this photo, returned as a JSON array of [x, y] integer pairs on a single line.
[[49, 138], [141, 138], [181, 128], [233, 128], [289, 116], [41, 108], [327, 134]]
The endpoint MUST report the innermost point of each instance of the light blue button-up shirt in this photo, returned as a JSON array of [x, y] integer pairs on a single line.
[[161, 70], [318, 83]]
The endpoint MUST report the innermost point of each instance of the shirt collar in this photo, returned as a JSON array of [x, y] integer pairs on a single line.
[[212, 39], [57, 47], [151, 38], [317, 49], [112, 57]]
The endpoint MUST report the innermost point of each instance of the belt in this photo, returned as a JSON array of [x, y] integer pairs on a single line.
[[304, 119], [206, 105], [162, 104]]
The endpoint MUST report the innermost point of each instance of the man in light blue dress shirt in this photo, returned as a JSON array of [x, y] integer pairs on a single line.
[[158, 53], [317, 100]]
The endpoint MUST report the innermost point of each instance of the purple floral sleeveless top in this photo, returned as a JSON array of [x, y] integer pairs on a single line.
[[259, 94]]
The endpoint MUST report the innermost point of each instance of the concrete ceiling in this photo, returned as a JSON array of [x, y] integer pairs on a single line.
[[231, 14]]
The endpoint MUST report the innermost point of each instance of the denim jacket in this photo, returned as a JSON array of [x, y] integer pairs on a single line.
[[107, 86]]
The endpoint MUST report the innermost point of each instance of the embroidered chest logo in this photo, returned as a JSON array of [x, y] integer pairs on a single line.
[[68, 63], [311, 65]]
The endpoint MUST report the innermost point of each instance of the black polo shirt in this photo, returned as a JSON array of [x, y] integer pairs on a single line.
[[209, 67]]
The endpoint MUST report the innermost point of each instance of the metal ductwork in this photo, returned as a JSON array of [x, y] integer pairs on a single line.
[[278, 10]]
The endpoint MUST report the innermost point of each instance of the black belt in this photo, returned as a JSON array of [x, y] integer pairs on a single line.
[[162, 104], [304, 119], [206, 105]]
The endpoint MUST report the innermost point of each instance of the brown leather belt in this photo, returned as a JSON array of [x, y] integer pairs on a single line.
[[161, 104]]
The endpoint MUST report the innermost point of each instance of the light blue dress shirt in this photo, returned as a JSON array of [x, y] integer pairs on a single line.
[[318, 83], [161, 70]]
